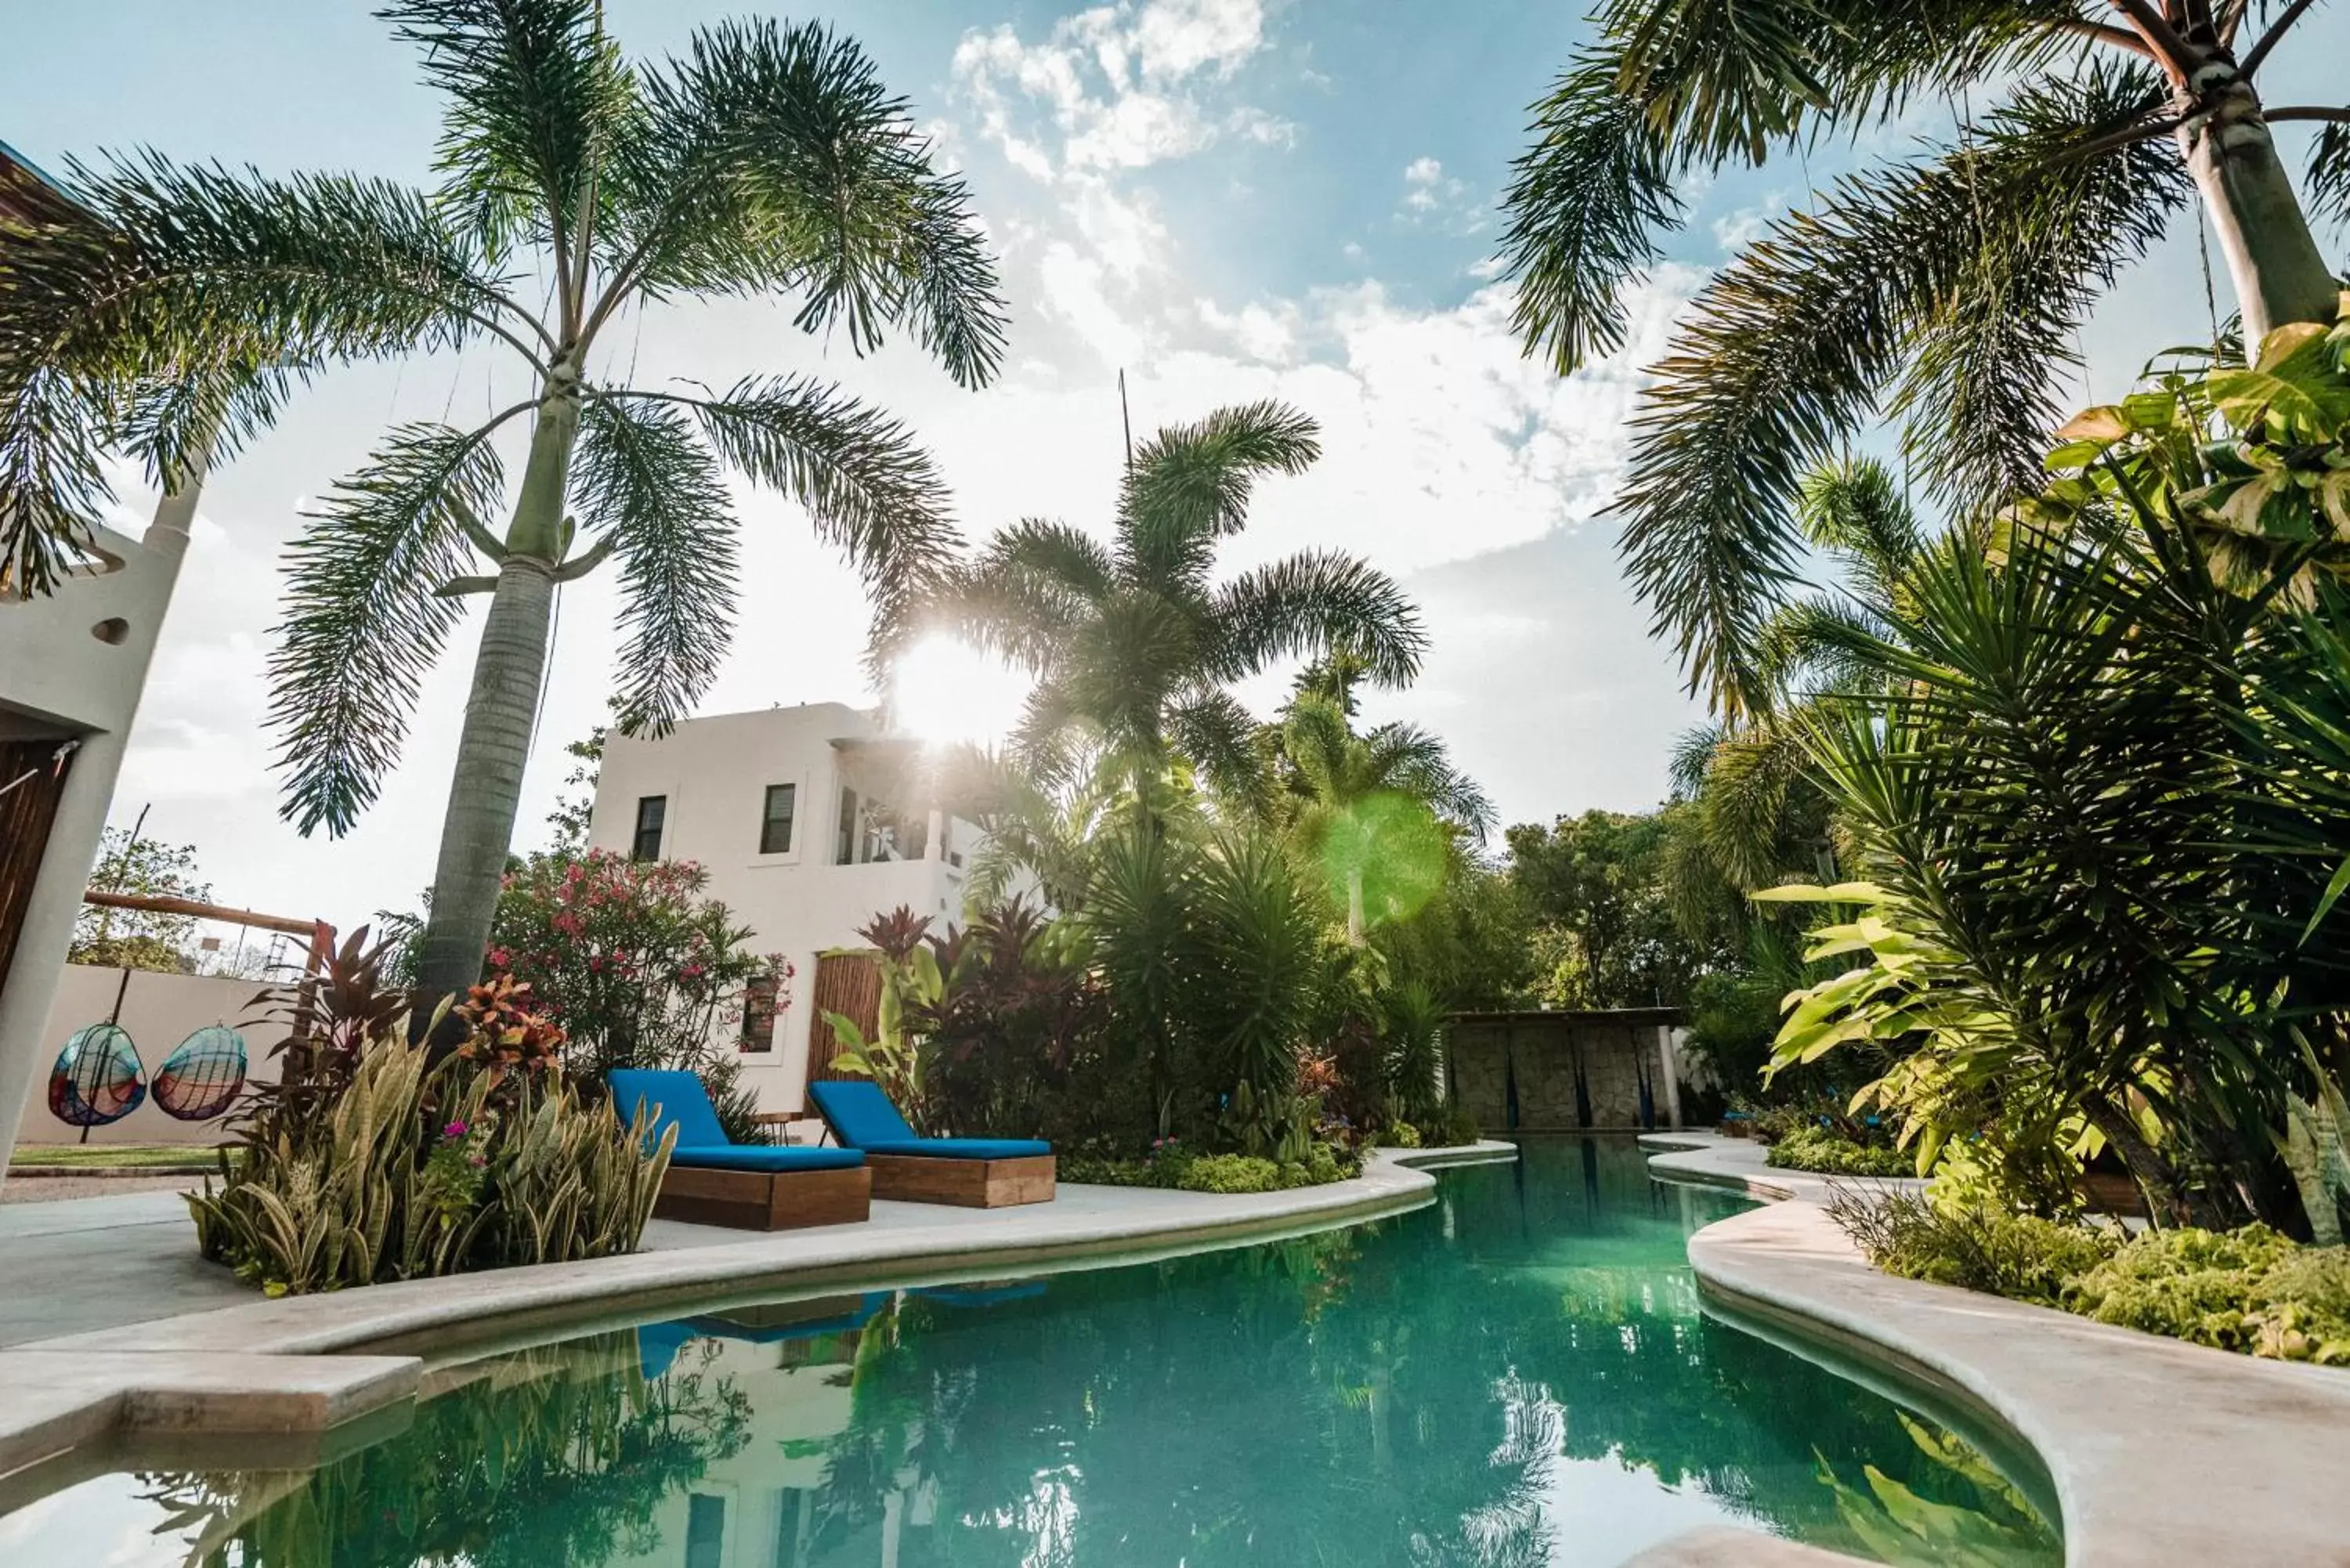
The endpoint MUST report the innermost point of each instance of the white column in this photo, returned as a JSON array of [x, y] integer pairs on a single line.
[[1673, 1072], [31, 982]]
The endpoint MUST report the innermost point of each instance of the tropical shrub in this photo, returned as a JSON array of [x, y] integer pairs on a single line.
[[372, 1158], [2020, 1256], [2249, 1290], [1828, 1151], [639, 968], [2095, 794], [1172, 1165]]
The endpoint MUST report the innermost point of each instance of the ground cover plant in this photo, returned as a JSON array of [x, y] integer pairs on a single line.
[[2251, 1289]]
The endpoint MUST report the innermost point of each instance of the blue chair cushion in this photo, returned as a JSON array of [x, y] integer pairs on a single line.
[[858, 1113], [670, 1097], [756, 1157], [960, 1148]]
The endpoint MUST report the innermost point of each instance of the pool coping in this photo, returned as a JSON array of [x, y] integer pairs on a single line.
[[2159, 1450], [294, 1369]]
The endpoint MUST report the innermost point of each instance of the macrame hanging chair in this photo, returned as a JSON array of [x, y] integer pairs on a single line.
[[97, 1078], [202, 1075]]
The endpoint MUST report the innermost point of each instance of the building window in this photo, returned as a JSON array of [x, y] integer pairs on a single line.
[[652, 810], [760, 996], [775, 823], [845, 852], [705, 1531]]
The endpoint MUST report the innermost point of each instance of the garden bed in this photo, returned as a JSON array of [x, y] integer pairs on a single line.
[[2249, 1291]]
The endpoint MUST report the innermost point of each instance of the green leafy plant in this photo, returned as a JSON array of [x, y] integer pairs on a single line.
[[1822, 1150], [2019, 1256], [374, 1159]]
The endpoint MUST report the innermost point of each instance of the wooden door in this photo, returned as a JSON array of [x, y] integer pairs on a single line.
[[848, 983], [38, 776]]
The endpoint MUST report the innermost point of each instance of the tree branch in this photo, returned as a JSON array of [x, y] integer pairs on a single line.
[[2146, 131], [2307, 111], [458, 587], [2172, 52], [578, 567], [2100, 32], [2271, 39]]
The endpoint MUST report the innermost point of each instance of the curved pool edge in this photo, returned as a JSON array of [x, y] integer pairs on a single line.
[[293, 1371], [2159, 1451]]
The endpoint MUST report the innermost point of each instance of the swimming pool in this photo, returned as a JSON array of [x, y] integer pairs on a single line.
[[1517, 1375]]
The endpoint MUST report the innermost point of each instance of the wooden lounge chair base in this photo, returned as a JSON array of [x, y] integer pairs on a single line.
[[766, 1199], [971, 1183]]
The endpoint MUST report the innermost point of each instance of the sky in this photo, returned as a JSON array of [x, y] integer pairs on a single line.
[[1226, 199]]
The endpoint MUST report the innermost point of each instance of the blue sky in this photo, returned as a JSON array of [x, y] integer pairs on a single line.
[[1229, 199]]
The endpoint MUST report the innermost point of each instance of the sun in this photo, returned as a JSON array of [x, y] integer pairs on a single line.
[[944, 690]]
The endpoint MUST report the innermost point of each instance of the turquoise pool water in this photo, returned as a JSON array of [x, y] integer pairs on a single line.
[[1514, 1376]]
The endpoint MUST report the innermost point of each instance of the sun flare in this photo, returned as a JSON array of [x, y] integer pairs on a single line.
[[946, 689]]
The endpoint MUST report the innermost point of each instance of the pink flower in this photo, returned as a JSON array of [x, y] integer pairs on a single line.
[[453, 1130], [499, 957]]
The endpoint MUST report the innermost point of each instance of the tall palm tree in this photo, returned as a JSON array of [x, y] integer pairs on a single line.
[[766, 158], [1373, 810], [1135, 644], [1945, 290]]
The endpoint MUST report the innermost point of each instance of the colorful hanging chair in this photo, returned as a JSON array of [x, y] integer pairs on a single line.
[[202, 1075], [97, 1077]]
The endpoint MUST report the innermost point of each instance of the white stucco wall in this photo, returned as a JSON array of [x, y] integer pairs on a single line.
[[159, 1011], [715, 775]]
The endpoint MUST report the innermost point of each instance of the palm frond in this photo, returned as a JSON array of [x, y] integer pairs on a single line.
[[1692, 754], [1408, 758], [2327, 184], [1219, 735], [772, 157], [1309, 603], [1190, 485], [645, 478], [363, 619], [1586, 202], [1691, 86], [865, 485], [1787, 348], [537, 94], [1856, 508]]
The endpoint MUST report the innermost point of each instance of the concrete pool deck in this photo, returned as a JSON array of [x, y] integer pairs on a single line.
[[117, 1330], [2159, 1451]]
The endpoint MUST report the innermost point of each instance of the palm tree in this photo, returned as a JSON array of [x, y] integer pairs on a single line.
[[1760, 812], [1135, 644], [767, 158], [1946, 291], [1373, 810]]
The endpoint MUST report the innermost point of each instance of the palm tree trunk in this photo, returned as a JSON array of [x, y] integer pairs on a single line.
[[2279, 273], [509, 672], [1355, 907]]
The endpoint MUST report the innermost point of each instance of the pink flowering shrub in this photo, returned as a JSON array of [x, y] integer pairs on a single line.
[[636, 965]]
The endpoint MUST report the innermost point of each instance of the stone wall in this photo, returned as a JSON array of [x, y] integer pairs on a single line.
[[1564, 1072]]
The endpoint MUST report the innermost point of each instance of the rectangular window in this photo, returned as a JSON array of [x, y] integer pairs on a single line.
[[847, 852], [759, 999], [652, 811], [705, 1529], [776, 822]]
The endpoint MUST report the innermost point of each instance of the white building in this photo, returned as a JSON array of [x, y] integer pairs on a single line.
[[797, 816]]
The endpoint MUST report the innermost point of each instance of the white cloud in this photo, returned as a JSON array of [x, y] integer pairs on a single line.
[[1121, 87], [1430, 195]]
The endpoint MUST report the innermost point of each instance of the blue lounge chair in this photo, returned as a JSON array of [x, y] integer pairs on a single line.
[[714, 1181], [975, 1173]]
